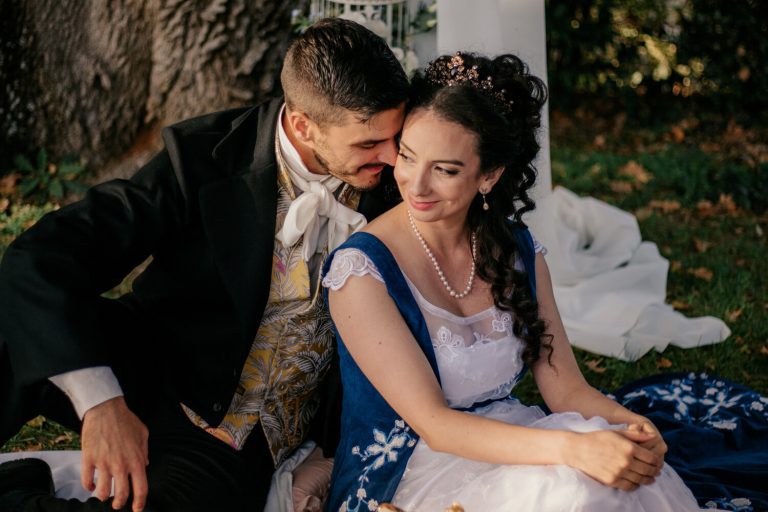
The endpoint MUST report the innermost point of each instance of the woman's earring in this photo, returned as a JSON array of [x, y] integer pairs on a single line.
[[486, 206]]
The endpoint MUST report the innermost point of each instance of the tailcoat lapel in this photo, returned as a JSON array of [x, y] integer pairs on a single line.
[[238, 212]]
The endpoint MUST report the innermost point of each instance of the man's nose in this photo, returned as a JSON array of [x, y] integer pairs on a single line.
[[388, 152]]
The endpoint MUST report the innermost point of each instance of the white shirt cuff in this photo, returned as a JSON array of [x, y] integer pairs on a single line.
[[88, 387]]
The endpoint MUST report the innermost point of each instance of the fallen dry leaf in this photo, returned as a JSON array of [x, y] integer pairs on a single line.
[[702, 245], [726, 203], [36, 422], [4, 203], [680, 305], [740, 262], [643, 213], [675, 266], [758, 229], [33, 447], [8, 184], [764, 350], [665, 205], [635, 171], [739, 340], [594, 365], [621, 187], [663, 362], [678, 134], [734, 315], [599, 142], [702, 273], [62, 438]]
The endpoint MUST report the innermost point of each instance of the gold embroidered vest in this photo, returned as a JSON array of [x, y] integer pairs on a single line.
[[291, 352]]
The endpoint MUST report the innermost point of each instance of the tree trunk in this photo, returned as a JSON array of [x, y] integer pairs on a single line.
[[95, 78]]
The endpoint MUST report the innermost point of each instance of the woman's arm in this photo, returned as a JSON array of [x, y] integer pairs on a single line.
[[562, 384], [385, 350]]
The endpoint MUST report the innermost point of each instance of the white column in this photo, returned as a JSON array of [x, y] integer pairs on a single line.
[[492, 27]]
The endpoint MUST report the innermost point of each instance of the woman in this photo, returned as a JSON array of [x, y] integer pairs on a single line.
[[442, 303]]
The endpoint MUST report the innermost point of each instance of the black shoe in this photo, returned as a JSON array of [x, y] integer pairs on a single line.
[[22, 480]]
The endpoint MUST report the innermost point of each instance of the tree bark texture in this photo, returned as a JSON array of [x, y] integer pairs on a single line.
[[89, 77]]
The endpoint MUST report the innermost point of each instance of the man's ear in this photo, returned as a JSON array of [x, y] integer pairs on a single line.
[[303, 128]]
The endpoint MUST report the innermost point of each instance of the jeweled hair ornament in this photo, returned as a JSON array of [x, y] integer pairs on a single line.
[[455, 71]]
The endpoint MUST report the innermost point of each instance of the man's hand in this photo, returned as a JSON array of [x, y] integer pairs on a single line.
[[114, 442]]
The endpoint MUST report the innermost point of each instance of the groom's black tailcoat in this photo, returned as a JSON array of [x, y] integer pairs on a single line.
[[204, 210]]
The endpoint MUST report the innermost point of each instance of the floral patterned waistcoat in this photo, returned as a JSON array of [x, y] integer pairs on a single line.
[[376, 443]]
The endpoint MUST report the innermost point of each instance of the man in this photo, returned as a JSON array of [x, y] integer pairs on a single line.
[[192, 387]]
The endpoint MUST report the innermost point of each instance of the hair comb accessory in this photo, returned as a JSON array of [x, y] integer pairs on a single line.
[[455, 71]]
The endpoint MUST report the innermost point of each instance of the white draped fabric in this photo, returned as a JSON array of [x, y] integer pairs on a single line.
[[610, 286]]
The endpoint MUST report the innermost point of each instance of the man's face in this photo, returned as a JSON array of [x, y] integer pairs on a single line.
[[356, 152]]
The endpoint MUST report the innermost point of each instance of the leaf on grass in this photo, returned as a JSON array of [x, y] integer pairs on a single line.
[[764, 350], [739, 340], [621, 187], [705, 208], [594, 365], [665, 205], [734, 315], [663, 362], [675, 266], [64, 438], [758, 230], [599, 142], [8, 184], [35, 447], [702, 273], [680, 305], [643, 213], [678, 134], [727, 204], [702, 245], [4, 204], [36, 422], [635, 171], [740, 262]]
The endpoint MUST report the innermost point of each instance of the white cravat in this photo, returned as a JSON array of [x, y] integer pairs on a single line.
[[315, 214]]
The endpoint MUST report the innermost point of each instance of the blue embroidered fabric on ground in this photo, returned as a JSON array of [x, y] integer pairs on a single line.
[[717, 432]]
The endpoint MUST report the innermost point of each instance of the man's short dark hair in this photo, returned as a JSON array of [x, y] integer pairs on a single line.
[[338, 65]]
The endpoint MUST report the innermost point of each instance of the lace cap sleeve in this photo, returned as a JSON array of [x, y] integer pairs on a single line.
[[349, 262]]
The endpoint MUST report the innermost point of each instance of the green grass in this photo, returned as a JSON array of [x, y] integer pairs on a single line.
[[701, 229]]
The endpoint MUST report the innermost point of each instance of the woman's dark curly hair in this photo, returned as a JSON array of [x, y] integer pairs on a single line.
[[505, 114]]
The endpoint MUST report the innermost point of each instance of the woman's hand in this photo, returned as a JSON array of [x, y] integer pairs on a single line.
[[616, 458], [656, 444]]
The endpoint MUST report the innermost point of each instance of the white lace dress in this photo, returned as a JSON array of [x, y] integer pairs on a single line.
[[479, 360]]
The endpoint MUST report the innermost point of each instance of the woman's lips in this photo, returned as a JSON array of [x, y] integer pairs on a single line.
[[422, 205]]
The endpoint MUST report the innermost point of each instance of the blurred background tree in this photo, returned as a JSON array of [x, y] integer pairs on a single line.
[[640, 55]]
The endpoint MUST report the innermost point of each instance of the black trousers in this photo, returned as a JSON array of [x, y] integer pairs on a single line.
[[189, 470]]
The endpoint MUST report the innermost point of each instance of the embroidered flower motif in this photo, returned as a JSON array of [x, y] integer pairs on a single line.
[[383, 450], [445, 338], [385, 447], [724, 424], [502, 322], [735, 504]]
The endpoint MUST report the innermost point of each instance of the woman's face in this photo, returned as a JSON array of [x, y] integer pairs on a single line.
[[438, 168]]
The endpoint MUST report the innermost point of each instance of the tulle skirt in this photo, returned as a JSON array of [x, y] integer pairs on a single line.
[[433, 481]]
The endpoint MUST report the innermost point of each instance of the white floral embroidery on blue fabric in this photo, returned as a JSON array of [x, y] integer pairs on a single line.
[[735, 504], [383, 450]]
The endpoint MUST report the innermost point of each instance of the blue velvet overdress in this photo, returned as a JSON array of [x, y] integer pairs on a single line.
[[376, 442]]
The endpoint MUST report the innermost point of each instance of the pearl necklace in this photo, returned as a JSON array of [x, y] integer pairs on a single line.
[[431, 256]]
